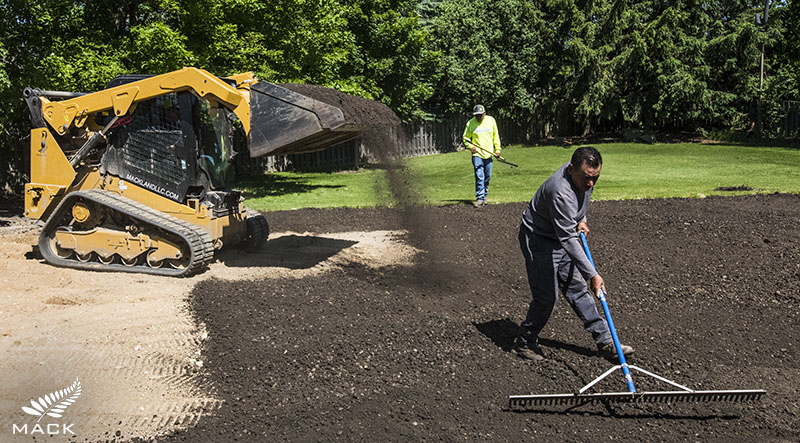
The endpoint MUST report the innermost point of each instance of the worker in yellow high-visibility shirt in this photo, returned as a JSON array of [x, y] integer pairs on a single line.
[[483, 139]]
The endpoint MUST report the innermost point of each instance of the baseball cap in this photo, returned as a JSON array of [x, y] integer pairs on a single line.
[[478, 110]]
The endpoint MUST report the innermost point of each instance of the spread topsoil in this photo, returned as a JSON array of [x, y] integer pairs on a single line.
[[707, 291]]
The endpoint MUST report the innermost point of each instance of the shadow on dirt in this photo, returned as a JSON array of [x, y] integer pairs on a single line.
[[459, 201], [34, 254], [610, 412], [501, 332], [289, 251], [504, 332], [10, 206], [548, 343]]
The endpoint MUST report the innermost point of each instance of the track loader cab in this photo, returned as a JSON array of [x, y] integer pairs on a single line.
[[138, 177], [177, 145]]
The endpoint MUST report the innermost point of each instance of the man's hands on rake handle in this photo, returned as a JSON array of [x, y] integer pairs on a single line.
[[475, 148], [597, 283]]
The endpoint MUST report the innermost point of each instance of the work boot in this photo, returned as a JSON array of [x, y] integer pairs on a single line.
[[534, 354], [609, 351], [479, 203]]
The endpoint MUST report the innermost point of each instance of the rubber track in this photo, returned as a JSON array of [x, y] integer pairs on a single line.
[[201, 247]]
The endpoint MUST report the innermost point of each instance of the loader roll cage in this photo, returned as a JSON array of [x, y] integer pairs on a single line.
[[275, 120], [178, 144]]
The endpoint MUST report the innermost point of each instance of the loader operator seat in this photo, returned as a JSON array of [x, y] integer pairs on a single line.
[[215, 128]]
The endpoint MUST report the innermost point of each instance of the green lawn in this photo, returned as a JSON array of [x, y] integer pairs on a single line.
[[630, 171]]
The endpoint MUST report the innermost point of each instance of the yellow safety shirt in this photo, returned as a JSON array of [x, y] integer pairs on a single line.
[[483, 134]]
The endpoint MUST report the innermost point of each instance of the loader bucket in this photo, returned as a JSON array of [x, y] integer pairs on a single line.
[[285, 122]]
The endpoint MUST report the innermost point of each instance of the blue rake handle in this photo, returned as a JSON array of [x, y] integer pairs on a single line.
[[611, 327]]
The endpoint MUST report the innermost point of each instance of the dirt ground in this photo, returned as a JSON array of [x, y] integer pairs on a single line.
[[130, 339], [397, 325]]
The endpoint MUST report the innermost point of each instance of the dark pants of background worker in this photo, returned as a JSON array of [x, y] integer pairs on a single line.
[[551, 270], [483, 174]]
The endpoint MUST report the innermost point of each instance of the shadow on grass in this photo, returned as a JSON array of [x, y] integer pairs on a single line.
[[722, 137], [750, 140], [270, 185], [288, 251]]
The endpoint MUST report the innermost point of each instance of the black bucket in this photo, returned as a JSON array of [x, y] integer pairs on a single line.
[[285, 122]]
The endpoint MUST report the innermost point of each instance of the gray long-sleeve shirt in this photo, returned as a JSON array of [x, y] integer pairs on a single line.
[[554, 213]]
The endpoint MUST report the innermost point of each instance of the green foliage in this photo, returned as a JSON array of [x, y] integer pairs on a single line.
[[427, 10], [155, 48], [490, 54], [575, 66], [550, 66], [5, 82], [373, 48], [787, 52], [790, 53], [395, 51]]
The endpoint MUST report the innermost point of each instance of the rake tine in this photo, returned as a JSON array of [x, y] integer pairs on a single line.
[[639, 397]]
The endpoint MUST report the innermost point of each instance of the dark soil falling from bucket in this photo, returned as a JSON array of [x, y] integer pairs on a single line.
[[384, 138]]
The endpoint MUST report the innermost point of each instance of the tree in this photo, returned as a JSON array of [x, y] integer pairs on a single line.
[[792, 51], [427, 10], [394, 64], [491, 53]]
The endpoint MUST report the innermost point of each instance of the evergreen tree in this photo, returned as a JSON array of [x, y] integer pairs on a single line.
[[490, 54]]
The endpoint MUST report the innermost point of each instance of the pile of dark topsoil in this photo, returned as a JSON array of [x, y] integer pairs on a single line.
[[362, 111], [707, 291], [379, 125]]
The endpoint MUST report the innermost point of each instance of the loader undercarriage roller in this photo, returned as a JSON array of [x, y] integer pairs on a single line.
[[103, 231]]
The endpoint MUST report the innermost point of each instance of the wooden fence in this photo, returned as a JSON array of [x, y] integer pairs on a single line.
[[790, 123]]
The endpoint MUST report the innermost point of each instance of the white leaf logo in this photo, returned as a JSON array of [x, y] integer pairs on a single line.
[[55, 403]]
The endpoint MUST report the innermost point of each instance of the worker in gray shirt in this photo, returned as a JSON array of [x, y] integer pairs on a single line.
[[554, 258]]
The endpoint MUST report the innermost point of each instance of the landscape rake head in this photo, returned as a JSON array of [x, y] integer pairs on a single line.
[[632, 396]]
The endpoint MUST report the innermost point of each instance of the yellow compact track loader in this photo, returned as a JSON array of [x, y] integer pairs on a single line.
[[136, 177]]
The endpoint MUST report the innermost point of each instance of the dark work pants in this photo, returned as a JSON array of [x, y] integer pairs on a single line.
[[550, 271], [483, 175]]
